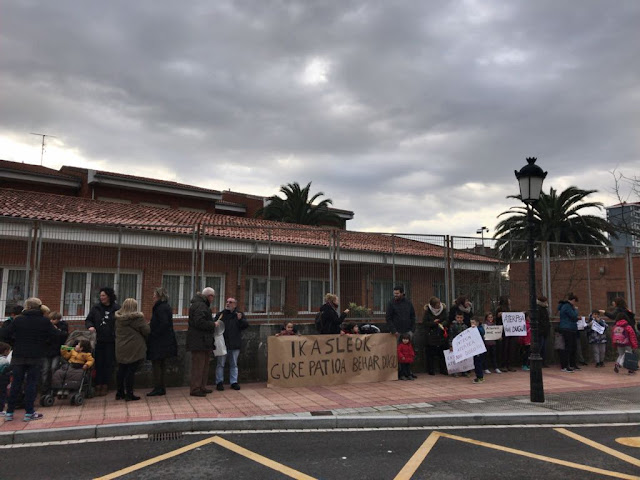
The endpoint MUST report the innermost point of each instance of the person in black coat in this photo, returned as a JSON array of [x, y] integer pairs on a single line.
[[234, 322], [33, 333], [52, 360], [161, 343], [330, 318], [102, 321]]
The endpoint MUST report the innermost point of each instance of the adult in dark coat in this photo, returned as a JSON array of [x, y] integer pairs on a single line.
[[435, 321], [234, 323], [33, 334], [102, 320], [200, 340], [331, 319], [52, 360], [620, 306], [544, 326], [400, 315], [161, 343], [462, 304]]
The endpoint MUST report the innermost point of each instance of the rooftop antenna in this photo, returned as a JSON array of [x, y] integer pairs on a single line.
[[43, 135]]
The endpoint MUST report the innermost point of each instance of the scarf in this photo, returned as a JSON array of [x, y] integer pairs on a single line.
[[466, 309], [542, 304], [438, 311]]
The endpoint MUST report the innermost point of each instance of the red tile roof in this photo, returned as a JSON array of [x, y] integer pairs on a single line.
[[155, 181], [62, 208], [38, 169]]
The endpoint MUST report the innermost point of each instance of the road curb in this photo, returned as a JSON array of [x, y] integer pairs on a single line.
[[328, 422]]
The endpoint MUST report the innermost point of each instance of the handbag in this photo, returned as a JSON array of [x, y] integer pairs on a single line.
[[630, 361]]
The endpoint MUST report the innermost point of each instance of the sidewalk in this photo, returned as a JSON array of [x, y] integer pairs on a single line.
[[588, 396]]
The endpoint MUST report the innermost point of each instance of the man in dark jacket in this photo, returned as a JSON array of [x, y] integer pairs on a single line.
[[33, 333], [401, 316], [200, 340], [234, 322]]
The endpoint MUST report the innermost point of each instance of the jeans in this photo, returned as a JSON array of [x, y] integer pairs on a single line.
[[477, 366], [49, 365], [32, 374], [232, 356]]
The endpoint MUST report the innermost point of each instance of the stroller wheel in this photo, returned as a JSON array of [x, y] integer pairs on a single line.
[[79, 399], [47, 400]]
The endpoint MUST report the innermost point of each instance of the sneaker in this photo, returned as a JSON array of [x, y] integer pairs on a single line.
[[32, 416], [525, 368], [567, 370], [576, 368], [413, 376], [2, 414], [631, 372], [220, 387], [487, 371], [616, 368], [478, 380], [498, 370], [8, 417], [402, 378], [235, 386]]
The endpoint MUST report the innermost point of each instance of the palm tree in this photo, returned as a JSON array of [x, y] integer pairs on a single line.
[[298, 208], [556, 218]]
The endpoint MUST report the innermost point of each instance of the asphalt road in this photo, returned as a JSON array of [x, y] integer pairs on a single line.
[[378, 454]]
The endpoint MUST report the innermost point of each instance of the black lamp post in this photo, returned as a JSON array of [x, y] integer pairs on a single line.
[[530, 178]]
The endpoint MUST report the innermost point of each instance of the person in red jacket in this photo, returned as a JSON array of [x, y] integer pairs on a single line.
[[624, 339], [406, 355]]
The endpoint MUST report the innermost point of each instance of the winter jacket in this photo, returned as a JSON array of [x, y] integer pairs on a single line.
[[406, 354], [63, 332], [102, 318], [544, 322], [201, 325], [82, 358], [161, 342], [623, 335], [233, 328], [32, 333], [595, 337], [454, 330], [568, 316], [631, 317], [131, 334], [435, 326], [331, 320], [401, 317]]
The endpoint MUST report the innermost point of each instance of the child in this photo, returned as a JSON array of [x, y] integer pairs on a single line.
[[597, 340], [5, 373], [349, 328], [456, 328], [406, 355], [492, 350], [287, 329], [478, 359], [78, 357], [624, 339], [525, 343], [51, 362]]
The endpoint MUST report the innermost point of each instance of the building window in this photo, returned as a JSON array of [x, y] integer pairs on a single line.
[[311, 294], [383, 293], [81, 290], [256, 295], [12, 289], [180, 292], [611, 296]]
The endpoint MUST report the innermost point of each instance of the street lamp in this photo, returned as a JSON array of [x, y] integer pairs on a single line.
[[481, 231], [530, 178]]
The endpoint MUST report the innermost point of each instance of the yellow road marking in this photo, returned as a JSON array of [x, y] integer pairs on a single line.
[[622, 456], [540, 457], [416, 460], [157, 459], [262, 460], [629, 441]]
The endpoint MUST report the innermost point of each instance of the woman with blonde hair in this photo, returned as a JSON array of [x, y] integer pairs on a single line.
[[131, 347], [330, 318]]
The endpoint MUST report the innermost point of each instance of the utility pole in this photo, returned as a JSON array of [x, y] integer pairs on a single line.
[[43, 135]]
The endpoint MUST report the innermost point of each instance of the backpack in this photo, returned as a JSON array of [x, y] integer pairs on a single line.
[[318, 321], [619, 336]]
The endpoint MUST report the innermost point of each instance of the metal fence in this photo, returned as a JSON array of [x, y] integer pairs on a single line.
[[284, 272]]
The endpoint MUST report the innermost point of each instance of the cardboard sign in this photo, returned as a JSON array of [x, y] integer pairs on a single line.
[[492, 332], [514, 324], [596, 327], [303, 361], [453, 367], [582, 323], [468, 344]]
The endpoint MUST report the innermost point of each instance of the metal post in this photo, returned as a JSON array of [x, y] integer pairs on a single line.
[[535, 360], [589, 281], [27, 276], [452, 272], [330, 261], [268, 305], [36, 267], [193, 261], [202, 277], [393, 259], [116, 283], [446, 270], [337, 237]]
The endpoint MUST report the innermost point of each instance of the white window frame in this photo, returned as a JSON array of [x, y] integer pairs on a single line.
[[325, 289], [180, 307], [87, 287], [249, 294], [4, 286]]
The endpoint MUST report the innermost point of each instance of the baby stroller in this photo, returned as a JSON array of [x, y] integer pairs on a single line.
[[72, 377]]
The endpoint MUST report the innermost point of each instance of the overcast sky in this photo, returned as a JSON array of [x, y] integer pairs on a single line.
[[414, 115]]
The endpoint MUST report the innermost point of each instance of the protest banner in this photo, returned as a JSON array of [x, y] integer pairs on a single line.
[[582, 323], [453, 367], [468, 344], [303, 361], [514, 324], [596, 327], [492, 332]]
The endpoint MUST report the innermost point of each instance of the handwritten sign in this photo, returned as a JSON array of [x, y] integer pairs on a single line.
[[453, 367], [582, 323], [468, 344], [492, 332], [514, 324], [596, 327], [301, 361]]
